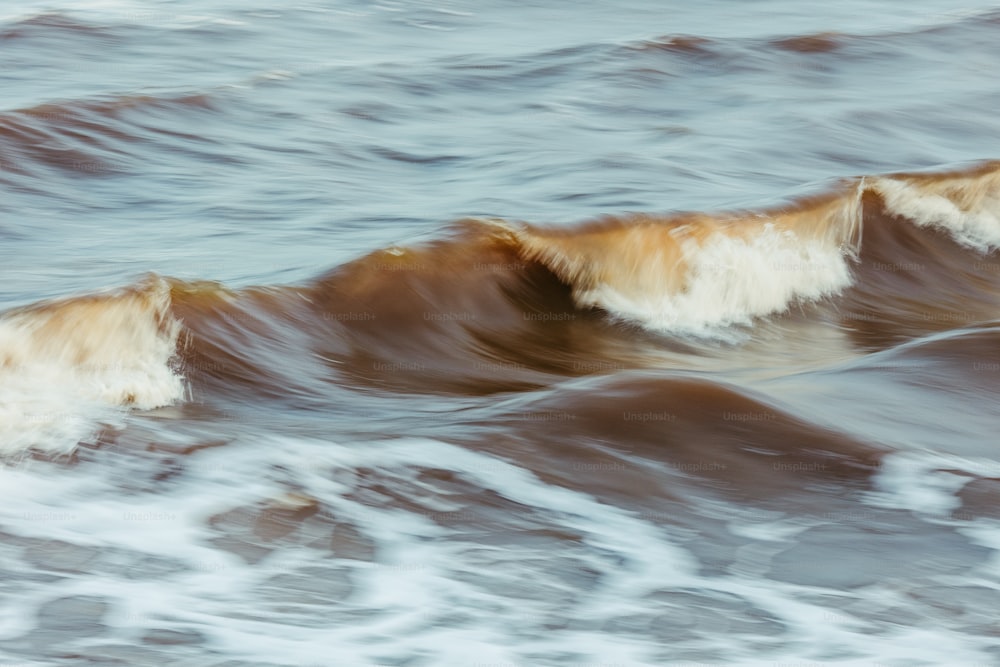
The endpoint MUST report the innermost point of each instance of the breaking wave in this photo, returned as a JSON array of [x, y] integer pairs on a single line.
[[497, 306]]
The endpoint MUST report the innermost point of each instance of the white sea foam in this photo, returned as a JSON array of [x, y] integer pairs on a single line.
[[927, 482], [68, 367], [428, 590], [731, 281], [967, 208]]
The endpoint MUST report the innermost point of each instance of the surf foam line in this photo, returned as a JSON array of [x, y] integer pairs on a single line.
[[68, 367], [701, 275]]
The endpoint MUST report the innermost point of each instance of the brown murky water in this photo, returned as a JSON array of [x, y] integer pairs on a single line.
[[704, 370]]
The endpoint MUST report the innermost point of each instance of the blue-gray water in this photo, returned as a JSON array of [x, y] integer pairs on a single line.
[[309, 355]]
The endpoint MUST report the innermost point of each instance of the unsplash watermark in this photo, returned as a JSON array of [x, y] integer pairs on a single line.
[[350, 316], [947, 317], [892, 367], [988, 267], [548, 416], [597, 366], [14, 166], [49, 516], [549, 317], [800, 467], [500, 267], [498, 366], [98, 167], [241, 317], [449, 317], [649, 416], [895, 267], [697, 466], [399, 366], [401, 266], [50, 417], [604, 466], [749, 416], [146, 17], [202, 366]]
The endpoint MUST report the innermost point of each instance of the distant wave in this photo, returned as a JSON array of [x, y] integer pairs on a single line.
[[87, 137], [50, 24], [820, 42]]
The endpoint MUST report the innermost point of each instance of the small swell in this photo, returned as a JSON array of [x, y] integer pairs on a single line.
[[685, 44], [683, 427], [401, 156], [740, 51], [826, 42], [85, 137], [50, 24]]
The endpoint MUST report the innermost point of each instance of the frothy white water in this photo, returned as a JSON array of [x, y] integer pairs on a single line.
[[701, 275], [966, 206], [617, 588], [67, 367], [731, 281], [927, 482]]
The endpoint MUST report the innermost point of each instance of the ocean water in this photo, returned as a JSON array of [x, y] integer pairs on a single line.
[[499, 334]]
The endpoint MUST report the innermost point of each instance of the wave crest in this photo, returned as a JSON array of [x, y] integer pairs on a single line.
[[66, 366]]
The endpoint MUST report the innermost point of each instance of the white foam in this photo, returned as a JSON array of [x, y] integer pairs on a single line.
[[926, 482], [733, 281], [68, 368], [971, 214], [429, 591]]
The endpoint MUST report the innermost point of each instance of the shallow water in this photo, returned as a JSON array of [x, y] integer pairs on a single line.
[[436, 334]]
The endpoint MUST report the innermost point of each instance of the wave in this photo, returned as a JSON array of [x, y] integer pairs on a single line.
[[690, 427], [821, 43], [88, 137], [50, 24], [68, 366], [497, 306], [696, 273], [699, 274]]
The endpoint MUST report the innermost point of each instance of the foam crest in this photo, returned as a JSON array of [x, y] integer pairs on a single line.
[[966, 205], [701, 274], [68, 366], [732, 281]]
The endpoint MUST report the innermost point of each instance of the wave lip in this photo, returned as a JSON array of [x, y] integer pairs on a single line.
[[966, 204], [68, 366], [700, 274]]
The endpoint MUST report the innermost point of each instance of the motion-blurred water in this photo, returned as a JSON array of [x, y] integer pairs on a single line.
[[309, 355]]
